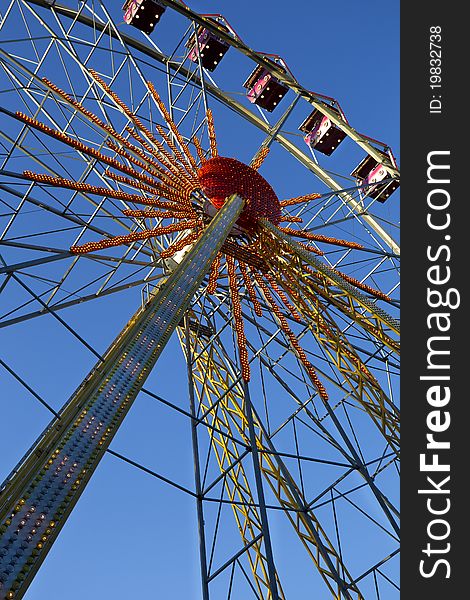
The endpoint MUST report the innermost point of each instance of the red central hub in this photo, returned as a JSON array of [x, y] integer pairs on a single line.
[[221, 177]]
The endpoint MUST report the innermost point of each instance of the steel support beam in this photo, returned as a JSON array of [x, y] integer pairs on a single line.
[[40, 494], [197, 470], [334, 277], [249, 412]]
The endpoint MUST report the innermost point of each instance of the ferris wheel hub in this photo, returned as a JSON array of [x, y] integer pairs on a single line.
[[221, 177]]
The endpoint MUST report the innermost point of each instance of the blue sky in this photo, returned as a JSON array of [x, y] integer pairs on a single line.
[[131, 534]]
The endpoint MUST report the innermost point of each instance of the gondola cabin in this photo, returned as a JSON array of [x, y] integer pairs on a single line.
[[211, 48], [321, 133], [264, 89], [143, 14], [370, 173]]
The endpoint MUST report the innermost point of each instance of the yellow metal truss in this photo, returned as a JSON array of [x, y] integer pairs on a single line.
[[285, 255], [210, 384], [309, 299], [221, 399]]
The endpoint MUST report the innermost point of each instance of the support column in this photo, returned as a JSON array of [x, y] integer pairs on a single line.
[[260, 492], [197, 470], [41, 492]]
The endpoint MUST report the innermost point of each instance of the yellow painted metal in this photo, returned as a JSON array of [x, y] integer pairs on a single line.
[[310, 299], [221, 398], [227, 453], [283, 253]]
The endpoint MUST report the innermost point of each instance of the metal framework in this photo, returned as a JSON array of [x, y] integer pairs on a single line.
[[273, 446], [43, 489]]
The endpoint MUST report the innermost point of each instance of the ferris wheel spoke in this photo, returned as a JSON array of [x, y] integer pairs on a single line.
[[33, 263], [377, 312], [382, 500], [321, 430], [77, 295], [287, 349], [264, 148], [108, 132], [63, 214], [351, 454], [63, 305]]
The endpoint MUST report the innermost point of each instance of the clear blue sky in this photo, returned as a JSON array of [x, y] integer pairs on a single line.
[[131, 535]]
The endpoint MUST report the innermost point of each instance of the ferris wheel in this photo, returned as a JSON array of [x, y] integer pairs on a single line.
[[168, 187]]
